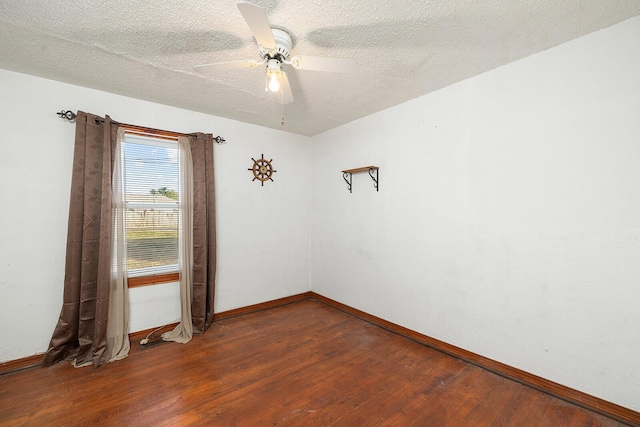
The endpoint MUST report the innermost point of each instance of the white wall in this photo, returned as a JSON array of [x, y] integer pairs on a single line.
[[263, 232], [508, 217]]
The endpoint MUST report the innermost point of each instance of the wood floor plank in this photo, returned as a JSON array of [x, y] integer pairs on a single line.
[[301, 364]]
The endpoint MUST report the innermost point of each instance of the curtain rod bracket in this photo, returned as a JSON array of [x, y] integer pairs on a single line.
[[68, 114]]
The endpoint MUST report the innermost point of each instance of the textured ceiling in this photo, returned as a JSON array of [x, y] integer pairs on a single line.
[[404, 48]]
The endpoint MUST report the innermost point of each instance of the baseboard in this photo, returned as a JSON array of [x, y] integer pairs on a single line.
[[560, 391], [151, 332], [11, 366], [261, 306]]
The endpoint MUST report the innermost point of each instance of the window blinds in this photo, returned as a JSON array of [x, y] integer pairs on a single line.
[[151, 181]]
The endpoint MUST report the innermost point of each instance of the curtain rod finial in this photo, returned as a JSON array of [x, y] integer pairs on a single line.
[[69, 115], [219, 139]]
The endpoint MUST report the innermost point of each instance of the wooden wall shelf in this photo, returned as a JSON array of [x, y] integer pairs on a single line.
[[347, 175]]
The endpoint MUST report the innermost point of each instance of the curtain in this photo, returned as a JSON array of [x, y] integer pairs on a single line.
[[93, 323], [183, 332], [81, 331], [118, 344], [197, 282], [204, 232], [198, 242]]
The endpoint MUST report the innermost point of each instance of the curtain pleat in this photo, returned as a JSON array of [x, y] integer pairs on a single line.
[[204, 233], [81, 331]]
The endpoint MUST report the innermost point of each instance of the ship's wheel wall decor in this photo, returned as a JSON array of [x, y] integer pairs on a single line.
[[262, 170]]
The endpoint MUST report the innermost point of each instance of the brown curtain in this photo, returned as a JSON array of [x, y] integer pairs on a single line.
[[81, 332], [204, 232]]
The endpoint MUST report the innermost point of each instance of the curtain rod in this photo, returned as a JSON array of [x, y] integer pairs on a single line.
[[71, 116]]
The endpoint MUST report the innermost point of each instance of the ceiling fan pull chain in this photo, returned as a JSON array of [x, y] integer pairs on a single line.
[[282, 104]]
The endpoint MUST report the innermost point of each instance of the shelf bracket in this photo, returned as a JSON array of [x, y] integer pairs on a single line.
[[375, 180], [348, 181], [347, 175]]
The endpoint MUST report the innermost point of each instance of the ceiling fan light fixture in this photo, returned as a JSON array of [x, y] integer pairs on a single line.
[[274, 86], [274, 72]]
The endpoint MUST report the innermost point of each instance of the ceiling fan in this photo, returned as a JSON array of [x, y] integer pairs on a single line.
[[274, 48]]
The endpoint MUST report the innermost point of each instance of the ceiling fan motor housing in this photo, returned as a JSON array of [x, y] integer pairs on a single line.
[[283, 45]]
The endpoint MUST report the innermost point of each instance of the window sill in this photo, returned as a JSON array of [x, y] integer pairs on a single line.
[[154, 279]]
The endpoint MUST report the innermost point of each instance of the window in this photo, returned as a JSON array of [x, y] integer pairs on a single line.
[[151, 182]]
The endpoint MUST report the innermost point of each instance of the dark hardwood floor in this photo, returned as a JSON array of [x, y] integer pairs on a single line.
[[302, 364]]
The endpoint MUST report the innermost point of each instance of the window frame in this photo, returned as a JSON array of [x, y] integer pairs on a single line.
[[147, 276]]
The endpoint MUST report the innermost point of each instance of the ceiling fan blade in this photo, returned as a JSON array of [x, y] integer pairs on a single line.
[[285, 96], [258, 24], [320, 63], [233, 65]]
